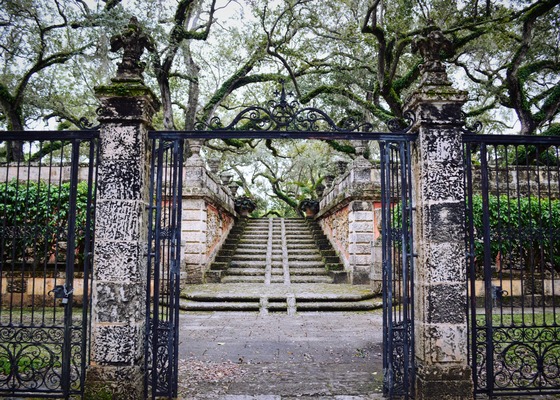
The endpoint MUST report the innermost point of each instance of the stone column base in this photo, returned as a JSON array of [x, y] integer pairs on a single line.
[[454, 383], [114, 383]]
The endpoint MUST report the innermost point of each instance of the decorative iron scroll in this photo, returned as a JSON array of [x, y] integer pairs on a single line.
[[31, 359], [524, 357], [284, 115], [400, 373], [161, 358], [475, 127]]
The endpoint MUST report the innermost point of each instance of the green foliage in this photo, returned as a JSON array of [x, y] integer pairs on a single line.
[[40, 359], [533, 155], [524, 231], [35, 218]]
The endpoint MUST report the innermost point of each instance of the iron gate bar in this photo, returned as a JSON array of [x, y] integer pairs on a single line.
[[400, 136], [470, 254], [69, 279], [408, 259], [88, 262], [26, 136], [487, 262]]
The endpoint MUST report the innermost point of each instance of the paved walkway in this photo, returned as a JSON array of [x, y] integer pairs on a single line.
[[247, 356]]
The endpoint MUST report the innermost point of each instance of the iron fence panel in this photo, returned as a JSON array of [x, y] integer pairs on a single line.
[[513, 263], [47, 204]]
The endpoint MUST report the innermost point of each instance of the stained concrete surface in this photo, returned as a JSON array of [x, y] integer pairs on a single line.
[[247, 356]]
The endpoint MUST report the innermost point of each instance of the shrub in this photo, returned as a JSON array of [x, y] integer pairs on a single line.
[[34, 218], [524, 231]]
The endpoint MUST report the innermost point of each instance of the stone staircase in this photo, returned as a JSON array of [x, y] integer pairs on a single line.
[[277, 251], [277, 264]]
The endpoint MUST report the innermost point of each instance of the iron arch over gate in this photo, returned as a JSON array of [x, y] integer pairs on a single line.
[[281, 120]]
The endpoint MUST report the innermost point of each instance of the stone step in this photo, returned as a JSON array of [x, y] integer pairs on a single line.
[[304, 243], [244, 297], [310, 279], [189, 305], [253, 239], [308, 271], [364, 305], [302, 247], [295, 256], [243, 279], [235, 263], [302, 293], [249, 257], [306, 264], [246, 272]]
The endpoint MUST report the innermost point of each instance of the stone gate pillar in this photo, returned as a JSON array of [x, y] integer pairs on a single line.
[[119, 282], [440, 275]]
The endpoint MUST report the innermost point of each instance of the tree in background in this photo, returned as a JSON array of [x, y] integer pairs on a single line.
[[352, 58]]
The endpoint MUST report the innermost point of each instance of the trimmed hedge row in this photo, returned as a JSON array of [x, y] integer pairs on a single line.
[[34, 219], [524, 232]]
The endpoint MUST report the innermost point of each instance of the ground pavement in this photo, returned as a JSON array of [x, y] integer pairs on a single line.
[[250, 356]]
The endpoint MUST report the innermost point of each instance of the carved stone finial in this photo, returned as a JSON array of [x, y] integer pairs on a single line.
[[434, 47], [133, 41]]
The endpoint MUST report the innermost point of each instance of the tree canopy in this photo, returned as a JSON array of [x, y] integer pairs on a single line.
[[352, 58]]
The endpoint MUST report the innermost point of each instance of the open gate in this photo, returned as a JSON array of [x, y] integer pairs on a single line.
[[164, 243], [280, 120], [397, 261]]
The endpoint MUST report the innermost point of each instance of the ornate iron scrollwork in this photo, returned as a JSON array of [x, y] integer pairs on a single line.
[[474, 128], [284, 115], [402, 124]]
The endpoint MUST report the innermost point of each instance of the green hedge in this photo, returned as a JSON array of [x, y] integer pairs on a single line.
[[34, 217], [524, 231]]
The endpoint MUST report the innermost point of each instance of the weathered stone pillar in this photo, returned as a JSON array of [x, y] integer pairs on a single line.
[[120, 263], [440, 276]]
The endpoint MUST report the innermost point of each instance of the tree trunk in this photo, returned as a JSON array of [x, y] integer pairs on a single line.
[[165, 91], [14, 149]]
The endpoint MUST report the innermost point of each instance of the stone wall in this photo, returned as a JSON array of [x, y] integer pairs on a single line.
[[51, 173], [208, 216]]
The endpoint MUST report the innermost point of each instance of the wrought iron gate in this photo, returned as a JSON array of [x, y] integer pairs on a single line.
[[47, 198], [398, 257], [281, 120], [513, 263], [164, 242]]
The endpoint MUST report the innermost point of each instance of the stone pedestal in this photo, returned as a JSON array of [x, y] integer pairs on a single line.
[[120, 264], [440, 274], [208, 216], [347, 218]]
